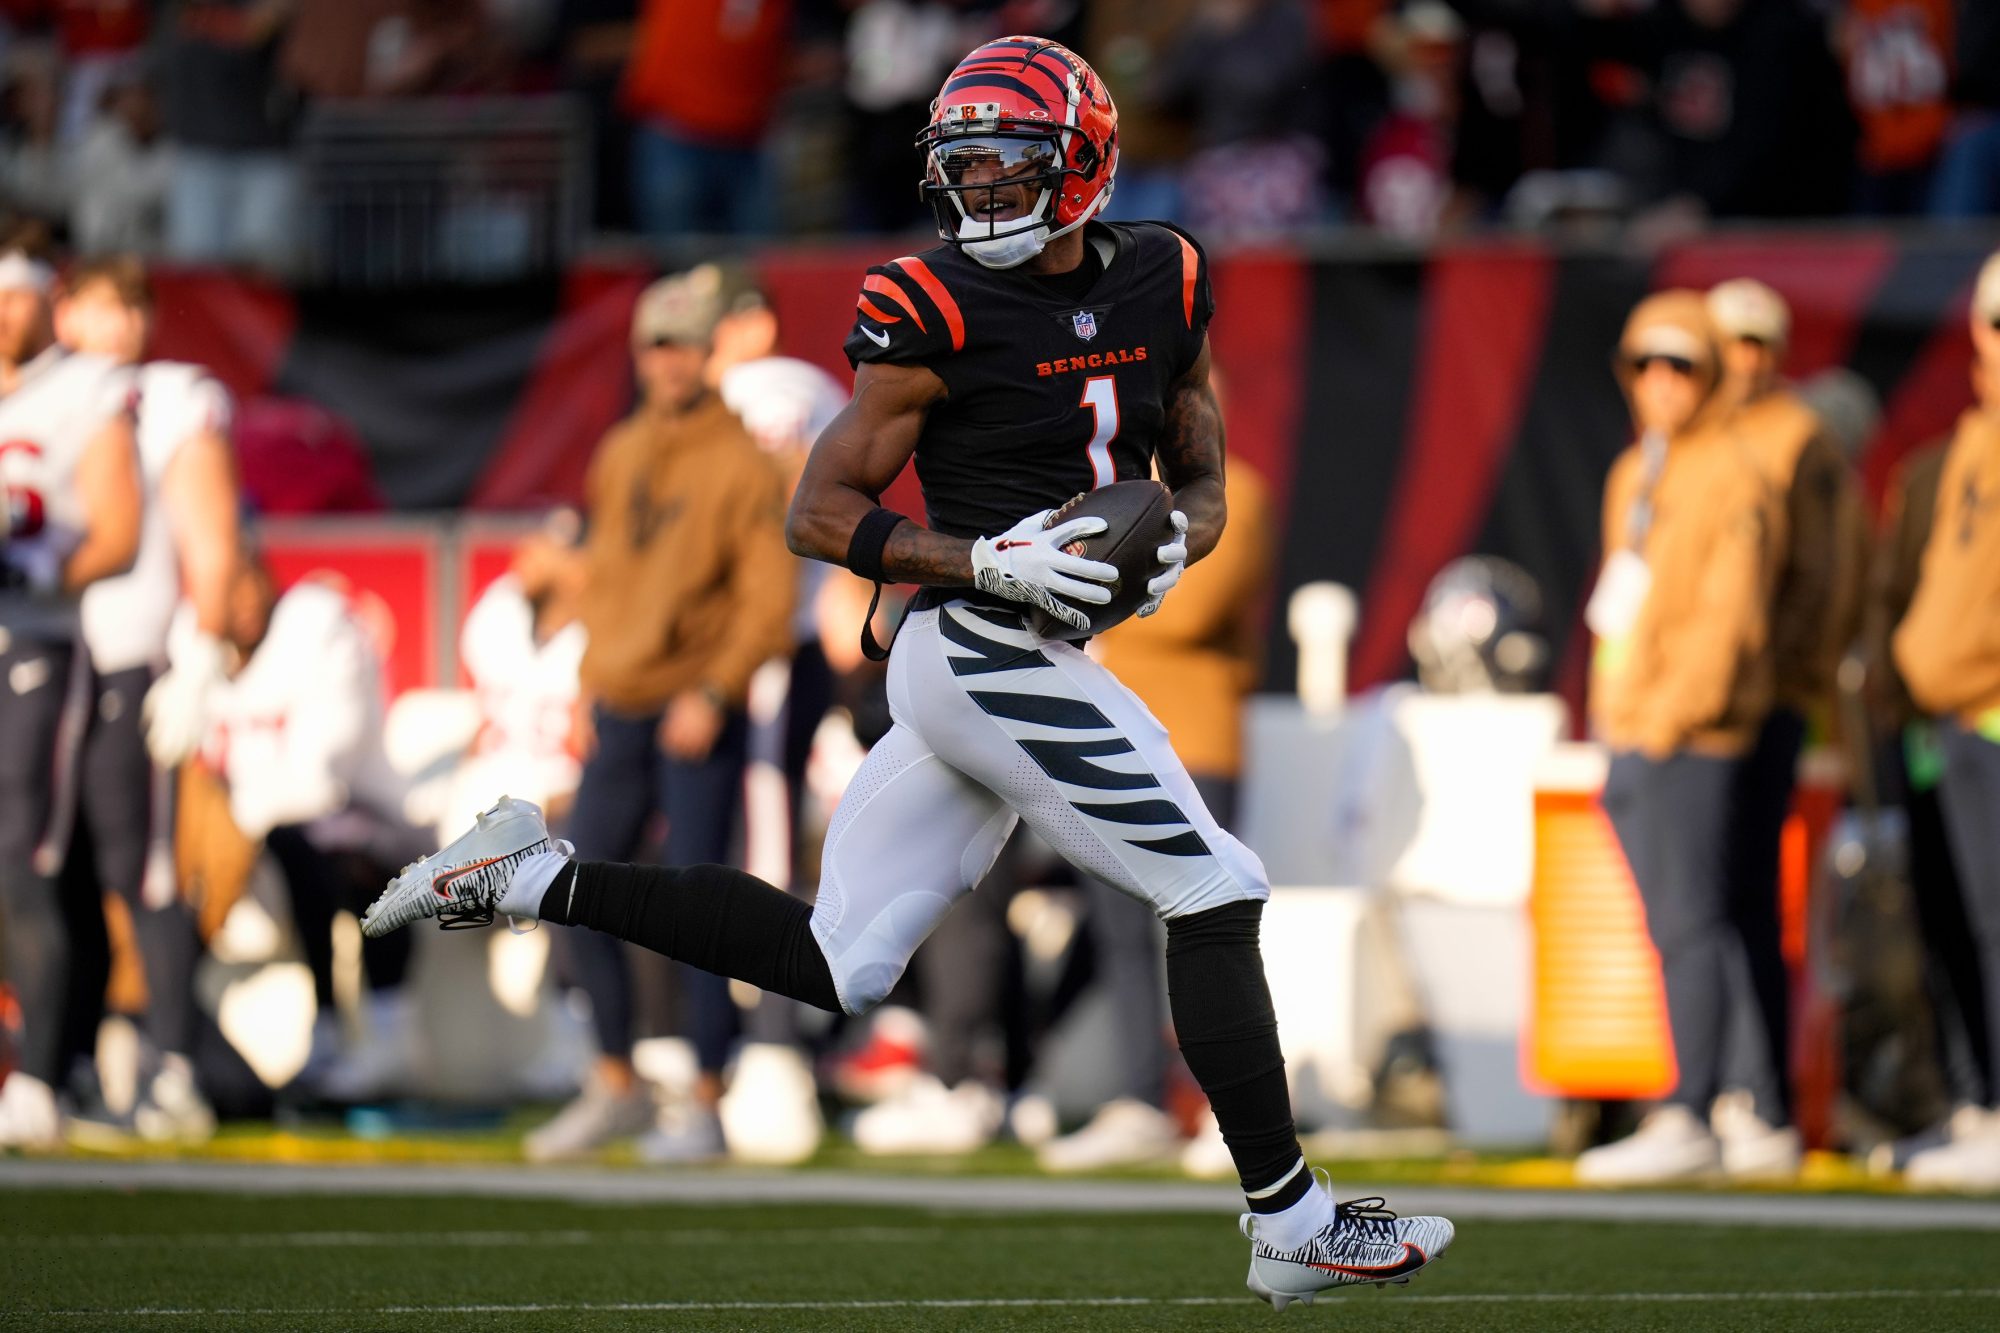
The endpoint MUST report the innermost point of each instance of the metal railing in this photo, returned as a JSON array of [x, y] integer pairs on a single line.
[[445, 190]]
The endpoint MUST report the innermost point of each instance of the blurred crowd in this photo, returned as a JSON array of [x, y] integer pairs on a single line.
[[173, 128], [661, 675]]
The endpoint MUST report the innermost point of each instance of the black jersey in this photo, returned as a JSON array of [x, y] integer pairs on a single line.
[[1047, 395]]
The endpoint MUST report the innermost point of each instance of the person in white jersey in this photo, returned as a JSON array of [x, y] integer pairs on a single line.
[[69, 476], [521, 646], [295, 731], [187, 545]]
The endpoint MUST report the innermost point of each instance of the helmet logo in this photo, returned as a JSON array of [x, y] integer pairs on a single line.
[[1085, 324]]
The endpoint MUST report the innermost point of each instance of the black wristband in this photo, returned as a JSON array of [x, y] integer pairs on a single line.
[[871, 538]]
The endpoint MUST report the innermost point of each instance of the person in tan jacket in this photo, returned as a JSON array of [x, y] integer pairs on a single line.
[[1814, 615], [688, 590], [1682, 681], [1947, 650]]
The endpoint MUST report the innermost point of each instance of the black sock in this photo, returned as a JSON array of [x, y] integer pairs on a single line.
[[1229, 1034], [713, 917]]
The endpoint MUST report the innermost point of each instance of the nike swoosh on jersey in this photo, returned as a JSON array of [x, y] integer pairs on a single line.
[[1413, 1259], [879, 339]]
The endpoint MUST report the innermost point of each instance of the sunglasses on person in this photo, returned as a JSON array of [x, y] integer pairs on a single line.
[[1641, 362]]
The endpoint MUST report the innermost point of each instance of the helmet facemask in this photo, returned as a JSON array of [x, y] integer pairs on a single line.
[[971, 179]]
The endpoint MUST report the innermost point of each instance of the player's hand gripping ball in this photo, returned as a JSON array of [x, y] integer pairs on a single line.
[[1138, 522]]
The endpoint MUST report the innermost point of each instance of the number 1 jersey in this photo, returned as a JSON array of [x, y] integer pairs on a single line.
[[1047, 394]]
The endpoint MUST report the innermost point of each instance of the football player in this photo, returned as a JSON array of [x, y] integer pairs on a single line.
[[73, 499], [1036, 353], [187, 540]]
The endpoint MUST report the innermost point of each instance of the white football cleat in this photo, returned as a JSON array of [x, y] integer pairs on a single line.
[[1365, 1243], [460, 885]]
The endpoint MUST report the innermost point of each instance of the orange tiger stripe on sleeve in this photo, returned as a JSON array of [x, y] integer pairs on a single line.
[[877, 313], [942, 299], [875, 282], [1190, 267]]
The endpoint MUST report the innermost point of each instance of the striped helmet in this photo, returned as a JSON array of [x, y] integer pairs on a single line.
[[1019, 117]]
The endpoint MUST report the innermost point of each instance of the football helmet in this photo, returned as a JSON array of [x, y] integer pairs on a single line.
[[1022, 127], [1480, 630]]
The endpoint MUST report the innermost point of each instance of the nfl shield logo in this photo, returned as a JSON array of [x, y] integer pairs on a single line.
[[1086, 324]]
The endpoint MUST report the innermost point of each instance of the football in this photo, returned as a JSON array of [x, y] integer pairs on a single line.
[[1139, 521]]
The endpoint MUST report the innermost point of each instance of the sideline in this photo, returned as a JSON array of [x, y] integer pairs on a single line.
[[986, 1194]]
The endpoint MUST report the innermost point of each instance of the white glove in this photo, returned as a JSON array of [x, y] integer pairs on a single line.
[[34, 564], [1027, 563], [177, 706], [1174, 556]]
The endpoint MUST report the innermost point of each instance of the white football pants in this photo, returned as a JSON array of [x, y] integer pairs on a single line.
[[993, 725]]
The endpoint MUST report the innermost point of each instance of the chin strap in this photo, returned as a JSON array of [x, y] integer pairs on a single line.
[[1009, 251]]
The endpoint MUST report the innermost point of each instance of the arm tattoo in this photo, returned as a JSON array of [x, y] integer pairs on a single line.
[[915, 554], [1191, 457]]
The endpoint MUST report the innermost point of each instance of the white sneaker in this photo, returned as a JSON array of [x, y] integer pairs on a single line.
[[684, 1135], [1364, 1243], [1206, 1156], [931, 1118], [596, 1117], [1965, 1122], [29, 1115], [1971, 1161], [1752, 1149], [172, 1109], [770, 1114], [384, 1064], [1670, 1144], [1125, 1132], [461, 884]]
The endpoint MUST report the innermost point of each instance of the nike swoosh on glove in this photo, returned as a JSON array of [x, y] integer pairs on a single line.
[[1027, 563], [176, 709], [1174, 556]]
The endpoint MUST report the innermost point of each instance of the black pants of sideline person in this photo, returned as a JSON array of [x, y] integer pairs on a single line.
[[1756, 1052], [123, 844], [625, 781], [1970, 793], [1951, 947], [44, 706], [1675, 819]]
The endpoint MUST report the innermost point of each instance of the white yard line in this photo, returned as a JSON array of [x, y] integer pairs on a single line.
[[341, 1240], [987, 1194], [1049, 1302]]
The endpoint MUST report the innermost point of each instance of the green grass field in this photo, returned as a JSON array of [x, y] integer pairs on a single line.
[[82, 1260]]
